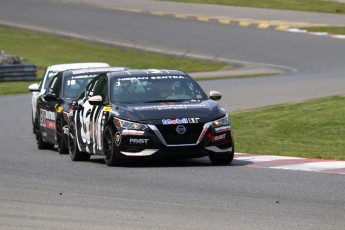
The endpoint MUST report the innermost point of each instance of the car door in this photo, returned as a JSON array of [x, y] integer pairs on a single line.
[[47, 107], [88, 115], [101, 89]]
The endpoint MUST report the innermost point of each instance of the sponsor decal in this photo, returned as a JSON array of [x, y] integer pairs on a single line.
[[174, 121], [180, 121], [80, 77], [132, 132], [223, 129], [135, 141], [217, 138], [151, 77], [47, 119], [193, 120], [95, 69], [48, 114], [170, 107], [117, 139], [180, 129], [132, 79], [166, 77], [50, 124]]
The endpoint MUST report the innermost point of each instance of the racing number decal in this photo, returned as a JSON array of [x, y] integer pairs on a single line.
[[91, 126]]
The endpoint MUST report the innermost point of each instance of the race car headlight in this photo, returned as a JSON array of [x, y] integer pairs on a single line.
[[129, 125], [221, 122]]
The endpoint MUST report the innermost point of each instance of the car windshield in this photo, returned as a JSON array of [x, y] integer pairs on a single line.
[[74, 85], [151, 89]]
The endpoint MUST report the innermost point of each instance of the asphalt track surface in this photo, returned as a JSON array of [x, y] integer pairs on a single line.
[[44, 190], [40, 189]]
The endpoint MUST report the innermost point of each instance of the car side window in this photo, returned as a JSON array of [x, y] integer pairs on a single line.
[[101, 88], [55, 85], [91, 87], [51, 85], [49, 78]]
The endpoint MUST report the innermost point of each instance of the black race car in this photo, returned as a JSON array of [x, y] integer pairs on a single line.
[[138, 113], [51, 122]]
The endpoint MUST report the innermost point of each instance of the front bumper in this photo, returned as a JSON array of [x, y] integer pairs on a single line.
[[152, 142]]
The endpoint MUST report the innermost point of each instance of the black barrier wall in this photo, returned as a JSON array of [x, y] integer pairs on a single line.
[[18, 72]]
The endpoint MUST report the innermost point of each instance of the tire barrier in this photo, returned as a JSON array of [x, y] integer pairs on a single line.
[[18, 72]]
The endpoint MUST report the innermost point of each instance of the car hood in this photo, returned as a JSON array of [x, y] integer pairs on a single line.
[[155, 112]]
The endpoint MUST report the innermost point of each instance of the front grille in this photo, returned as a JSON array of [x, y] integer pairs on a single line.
[[171, 137]]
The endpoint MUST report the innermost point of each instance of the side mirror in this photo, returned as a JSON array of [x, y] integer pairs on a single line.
[[96, 100], [50, 97], [215, 95], [34, 87]]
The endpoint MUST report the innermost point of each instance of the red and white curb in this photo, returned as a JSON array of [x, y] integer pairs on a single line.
[[295, 30], [292, 163]]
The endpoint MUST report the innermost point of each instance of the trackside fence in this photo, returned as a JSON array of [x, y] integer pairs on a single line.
[[18, 72]]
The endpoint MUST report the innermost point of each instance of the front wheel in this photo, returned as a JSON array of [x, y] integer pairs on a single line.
[[222, 158], [111, 151], [74, 152]]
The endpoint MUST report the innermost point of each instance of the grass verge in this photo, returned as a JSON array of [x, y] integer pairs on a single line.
[[310, 129], [320, 6], [15, 87], [330, 29], [44, 50]]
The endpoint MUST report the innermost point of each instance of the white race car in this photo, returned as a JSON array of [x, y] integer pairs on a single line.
[[38, 89]]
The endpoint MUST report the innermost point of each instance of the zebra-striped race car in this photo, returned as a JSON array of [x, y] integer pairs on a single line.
[[142, 113]]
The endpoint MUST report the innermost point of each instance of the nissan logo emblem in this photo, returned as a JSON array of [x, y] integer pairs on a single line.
[[180, 129]]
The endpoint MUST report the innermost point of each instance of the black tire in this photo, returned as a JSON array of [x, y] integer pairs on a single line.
[[39, 141], [61, 138], [33, 123], [73, 150], [222, 158], [111, 152]]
